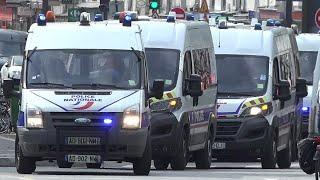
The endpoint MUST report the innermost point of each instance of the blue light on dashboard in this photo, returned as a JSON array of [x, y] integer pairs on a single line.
[[107, 121]]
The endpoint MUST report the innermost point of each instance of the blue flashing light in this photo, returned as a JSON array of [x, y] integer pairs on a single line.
[[98, 17], [189, 17], [270, 22], [171, 19], [107, 121], [305, 109], [41, 20], [127, 21], [257, 26]]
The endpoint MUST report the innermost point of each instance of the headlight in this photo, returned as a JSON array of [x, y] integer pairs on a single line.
[[34, 118], [132, 118], [263, 109], [167, 105]]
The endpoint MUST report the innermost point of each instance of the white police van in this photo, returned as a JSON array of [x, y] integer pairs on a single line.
[[308, 45], [314, 124], [183, 123], [84, 92], [258, 90]]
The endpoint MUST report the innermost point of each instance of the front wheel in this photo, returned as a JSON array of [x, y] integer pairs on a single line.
[[203, 157], [64, 164], [24, 165], [180, 161], [93, 165], [284, 156], [269, 152], [161, 164], [142, 165]]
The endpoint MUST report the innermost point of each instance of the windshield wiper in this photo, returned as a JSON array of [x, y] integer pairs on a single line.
[[235, 93], [50, 84], [137, 53], [97, 86], [32, 52]]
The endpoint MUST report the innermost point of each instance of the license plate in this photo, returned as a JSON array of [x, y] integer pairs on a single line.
[[83, 158], [218, 145], [82, 140]]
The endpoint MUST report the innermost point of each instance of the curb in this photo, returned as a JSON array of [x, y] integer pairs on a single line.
[[7, 162]]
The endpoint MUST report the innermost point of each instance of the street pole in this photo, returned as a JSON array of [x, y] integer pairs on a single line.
[[45, 6], [305, 15], [116, 4], [288, 13]]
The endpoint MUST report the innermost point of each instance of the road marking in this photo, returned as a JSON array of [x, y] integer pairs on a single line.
[[8, 139]]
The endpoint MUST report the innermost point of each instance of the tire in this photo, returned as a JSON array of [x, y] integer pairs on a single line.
[[93, 165], [269, 152], [180, 161], [284, 156], [203, 157], [64, 164], [161, 164], [142, 165], [24, 165]]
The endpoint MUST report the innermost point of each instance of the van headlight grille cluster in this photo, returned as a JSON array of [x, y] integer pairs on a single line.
[[170, 105], [132, 117], [260, 110]]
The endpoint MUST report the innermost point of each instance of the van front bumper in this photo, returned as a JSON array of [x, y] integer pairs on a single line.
[[165, 130], [246, 135], [50, 143]]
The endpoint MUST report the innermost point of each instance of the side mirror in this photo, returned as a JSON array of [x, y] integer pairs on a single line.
[[283, 91], [157, 89], [301, 88], [8, 86], [194, 89], [7, 65]]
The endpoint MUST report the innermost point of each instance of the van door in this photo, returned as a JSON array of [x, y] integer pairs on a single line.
[[287, 108], [201, 116]]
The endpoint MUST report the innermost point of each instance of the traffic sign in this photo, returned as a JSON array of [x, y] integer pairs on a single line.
[[317, 18], [73, 14], [180, 13]]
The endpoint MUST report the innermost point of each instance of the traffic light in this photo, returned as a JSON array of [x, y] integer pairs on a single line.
[[154, 4]]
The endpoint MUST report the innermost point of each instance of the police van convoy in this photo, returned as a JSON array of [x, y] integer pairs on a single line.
[[259, 89], [183, 123], [84, 92], [308, 45]]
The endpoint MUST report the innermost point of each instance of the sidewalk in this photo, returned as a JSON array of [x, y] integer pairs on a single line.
[[7, 150]]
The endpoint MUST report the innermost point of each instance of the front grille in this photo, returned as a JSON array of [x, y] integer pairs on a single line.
[[228, 128], [68, 118]]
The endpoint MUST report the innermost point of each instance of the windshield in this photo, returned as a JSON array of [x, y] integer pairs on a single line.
[[307, 63], [242, 75], [163, 64], [84, 69], [17, 60]]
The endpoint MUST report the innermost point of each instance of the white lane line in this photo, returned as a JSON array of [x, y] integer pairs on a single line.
[[8, 139]]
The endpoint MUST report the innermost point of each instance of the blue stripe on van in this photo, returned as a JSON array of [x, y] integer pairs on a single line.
[[20, 119]]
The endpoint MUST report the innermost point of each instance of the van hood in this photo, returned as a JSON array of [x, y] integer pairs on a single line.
[[79, 101], [234, 107]]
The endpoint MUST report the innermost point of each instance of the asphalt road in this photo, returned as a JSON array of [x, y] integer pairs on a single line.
[[224, 171]]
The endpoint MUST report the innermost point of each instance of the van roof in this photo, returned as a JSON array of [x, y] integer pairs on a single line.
[[162, 34], [99, 35], [244, 41], [308, 42]]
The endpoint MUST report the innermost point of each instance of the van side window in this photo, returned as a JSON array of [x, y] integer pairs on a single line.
[[275, 76], [187, 71], [285, 67], [202, 66]]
